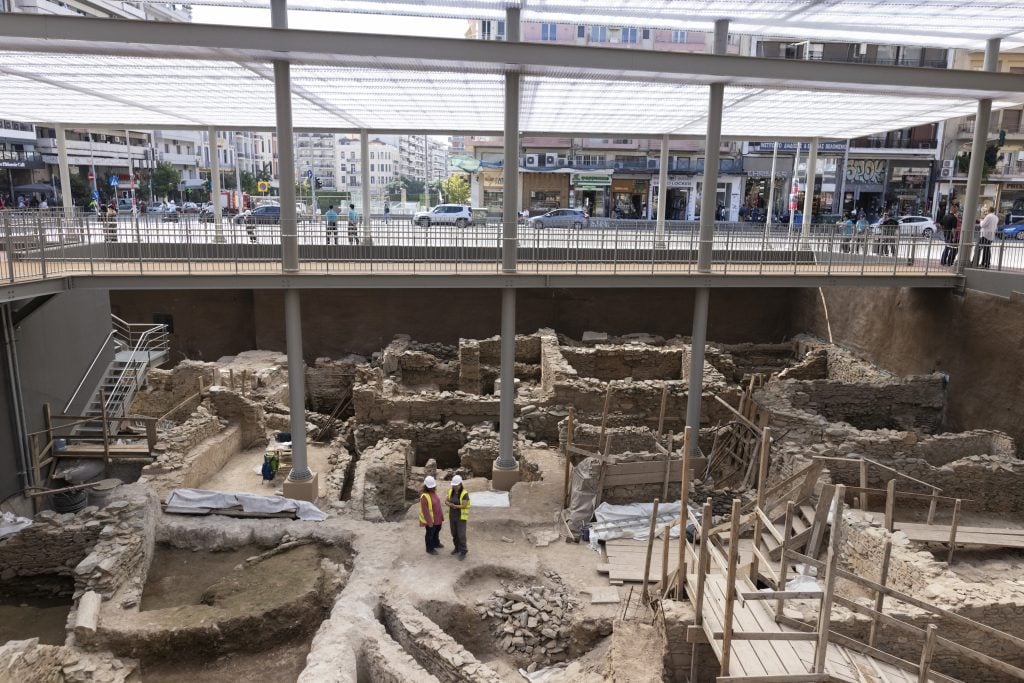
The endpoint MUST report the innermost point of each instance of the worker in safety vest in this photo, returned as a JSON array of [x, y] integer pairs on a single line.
[[458, 515], [431, 515]]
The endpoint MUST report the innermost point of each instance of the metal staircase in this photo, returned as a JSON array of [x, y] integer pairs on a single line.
[[139, 347]]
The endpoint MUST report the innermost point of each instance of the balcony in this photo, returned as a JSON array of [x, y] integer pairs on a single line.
[[1015, 168], [893, 143], [18, 159], [866, 59]]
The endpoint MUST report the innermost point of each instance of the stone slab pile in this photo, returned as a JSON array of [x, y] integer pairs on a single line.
[[30, 662]]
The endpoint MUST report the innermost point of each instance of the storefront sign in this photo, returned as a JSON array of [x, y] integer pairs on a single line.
[[674, 181], [866, 171], [13, 164], [790, 147], [579, 179], [492, 180]]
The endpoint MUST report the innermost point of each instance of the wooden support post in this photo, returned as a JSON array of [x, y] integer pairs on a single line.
[[863, 484], [106, 433], [926, 653], [831, 565], [604, 417], [820, 520], [569, 426], [245, 382], [787, 529], [661, 411], [650, 546], [730, 584], [231, 378], [200, 386], [880, 595], [762, 483], [48, 423], [932, 504], [151, 434], [702, 563], [33, 444], [668, 468], [952, 531], [664, 559], [684, 498], [890, 505]]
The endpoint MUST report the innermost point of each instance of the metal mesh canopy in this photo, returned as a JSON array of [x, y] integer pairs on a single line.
[[161, 92], [937, 23]]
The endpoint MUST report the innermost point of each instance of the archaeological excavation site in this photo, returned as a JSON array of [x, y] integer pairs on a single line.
[[824, 521]]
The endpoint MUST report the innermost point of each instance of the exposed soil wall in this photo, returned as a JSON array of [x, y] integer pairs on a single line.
[[975, 338]]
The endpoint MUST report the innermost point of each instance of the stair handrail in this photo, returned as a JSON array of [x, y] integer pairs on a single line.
[[150, 338], [85, 376]]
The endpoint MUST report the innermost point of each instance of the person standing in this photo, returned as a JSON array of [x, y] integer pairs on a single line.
[[431, 515], [987, 233], [863, 229], [951, 235], [332, 224], [387, 212], [458, 515], [890, 228], [353, 224], [846, 228]]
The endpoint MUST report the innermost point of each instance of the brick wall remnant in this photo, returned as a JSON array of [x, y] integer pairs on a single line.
[[378, 491], [236, 408], [328, 379], [469, 366]]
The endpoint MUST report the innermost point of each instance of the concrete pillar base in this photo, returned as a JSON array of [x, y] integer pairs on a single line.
[[502, 479], [303, 490]]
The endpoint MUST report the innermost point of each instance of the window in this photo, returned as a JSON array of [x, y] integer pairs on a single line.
[[599, 34], [549, 31], [372, 169], [645, 34], [501, 30], [581, 31], [678, 36], [629, 35]]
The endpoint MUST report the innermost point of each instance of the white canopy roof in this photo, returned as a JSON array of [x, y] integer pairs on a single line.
[[105, 72]]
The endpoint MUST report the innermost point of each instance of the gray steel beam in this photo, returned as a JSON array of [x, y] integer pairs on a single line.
[[506, 409], [65, 172], [812, 170], [364, 179], [218, 211], [659, 230], [977, 167], [39, 33]]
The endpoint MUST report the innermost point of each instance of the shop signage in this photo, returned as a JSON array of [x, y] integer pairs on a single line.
[[13, 164], [1013, 186], [674, 181], [492, 180], [791, 147], [597, 180]]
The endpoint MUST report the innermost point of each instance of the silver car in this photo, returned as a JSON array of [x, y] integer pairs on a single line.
[[561, 218]]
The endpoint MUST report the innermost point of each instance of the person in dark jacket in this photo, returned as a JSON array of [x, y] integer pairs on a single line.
[[458, 515]]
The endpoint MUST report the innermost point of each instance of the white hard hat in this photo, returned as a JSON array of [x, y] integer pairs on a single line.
[[430, 482], [456, 480]]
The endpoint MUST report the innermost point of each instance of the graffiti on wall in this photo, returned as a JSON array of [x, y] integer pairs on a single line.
[[866, 171]]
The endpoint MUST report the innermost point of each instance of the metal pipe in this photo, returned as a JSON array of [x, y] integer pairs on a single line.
[[510, 172], [977, 168], [696, 379], [285, 147], [506, 413], [296, 385], [364, 178], [659, 232], [712, 145], [812, 171], [218, 212]]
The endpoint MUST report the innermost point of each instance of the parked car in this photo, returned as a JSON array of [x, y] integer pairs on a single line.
[[911, 226], [458, 215], [1014, 230], [576, 218], [189, 207], [264, 215], [125, 206]]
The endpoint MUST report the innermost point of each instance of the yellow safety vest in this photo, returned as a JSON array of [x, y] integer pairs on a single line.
[[464, 501], [430, 509]]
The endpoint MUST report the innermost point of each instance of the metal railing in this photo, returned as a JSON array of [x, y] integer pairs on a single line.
[[143, 340], [47, 245]]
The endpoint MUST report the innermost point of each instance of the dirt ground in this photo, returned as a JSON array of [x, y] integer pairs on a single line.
[[283, 664], [22, 618], [242, 472]]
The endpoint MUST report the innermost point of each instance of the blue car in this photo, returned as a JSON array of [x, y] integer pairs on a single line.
[[1014, 230]]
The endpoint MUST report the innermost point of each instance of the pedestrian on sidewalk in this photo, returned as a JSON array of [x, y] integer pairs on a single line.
[[353, 224], [986, 233], [458, 515], [951, 235], [387, 212], [863, 229], [890, 228], [332, 224], [431, 515]]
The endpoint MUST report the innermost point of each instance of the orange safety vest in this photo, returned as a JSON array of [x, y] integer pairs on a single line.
[[430, 510], [463, 501]]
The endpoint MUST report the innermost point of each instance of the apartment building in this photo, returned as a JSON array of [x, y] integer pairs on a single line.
[[317, 152], [384, 163]]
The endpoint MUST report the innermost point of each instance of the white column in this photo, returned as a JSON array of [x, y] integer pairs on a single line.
[[218, 215], [771, 191], [812, 170], [659, 230], [364, 178], [981, 122], [707, 237], [65, 172], [794, 183]]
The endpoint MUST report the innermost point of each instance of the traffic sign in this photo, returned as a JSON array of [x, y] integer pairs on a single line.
[[92, 176], [309, 174], [95, 194], [114, 181], [262, 186]]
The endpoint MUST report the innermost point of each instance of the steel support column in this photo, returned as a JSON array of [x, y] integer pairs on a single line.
[[506, 415], [977, 168], [812, 170], [771, 192], [218, 211], [510, 173], [66, 200], [290, 253], [707, 239], [364, 180], [659, 231]]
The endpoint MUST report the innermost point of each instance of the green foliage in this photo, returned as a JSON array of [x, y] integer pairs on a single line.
[[963, 161], [165, 180], [455, 189], [81, 190]]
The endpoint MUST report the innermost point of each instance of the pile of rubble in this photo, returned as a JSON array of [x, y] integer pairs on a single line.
[[531, 621]]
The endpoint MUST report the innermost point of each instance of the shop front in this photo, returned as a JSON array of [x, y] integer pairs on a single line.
[[592, 193], [865, 186], [492, 184], [907, 192], [680, 198], [727, 198], [988, 197], [1011, 202], [543, 192], [629, 196]]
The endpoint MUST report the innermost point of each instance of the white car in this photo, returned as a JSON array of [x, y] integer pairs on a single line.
[[458, 215], [911, 226]]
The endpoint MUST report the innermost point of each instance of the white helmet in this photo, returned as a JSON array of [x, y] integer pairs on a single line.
[[430, 482], [456, 480]]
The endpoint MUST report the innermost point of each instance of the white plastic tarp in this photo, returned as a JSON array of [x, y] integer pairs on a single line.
[[10, 524], [488, 499], [631, 521], [249, 502]]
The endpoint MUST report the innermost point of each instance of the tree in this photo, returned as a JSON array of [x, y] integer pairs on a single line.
[[81, 190], [455, 189], [249, 182], [991, 159], [165, 179], [413, 186]]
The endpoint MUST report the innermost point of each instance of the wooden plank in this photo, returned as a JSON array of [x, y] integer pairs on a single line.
[[568, 460], [880, 595], [880, 656], [778, 655], [952, 532], [825, 611], [745, 656], [702, 562], [942, 529], [781, 595], [784, 564], [650, 545], [604, 418], [926, 653], [661, 410], [772, 635], [890, 504], [684, 513], [863, 484], [820, 520], [779, 678], [730, 585]]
